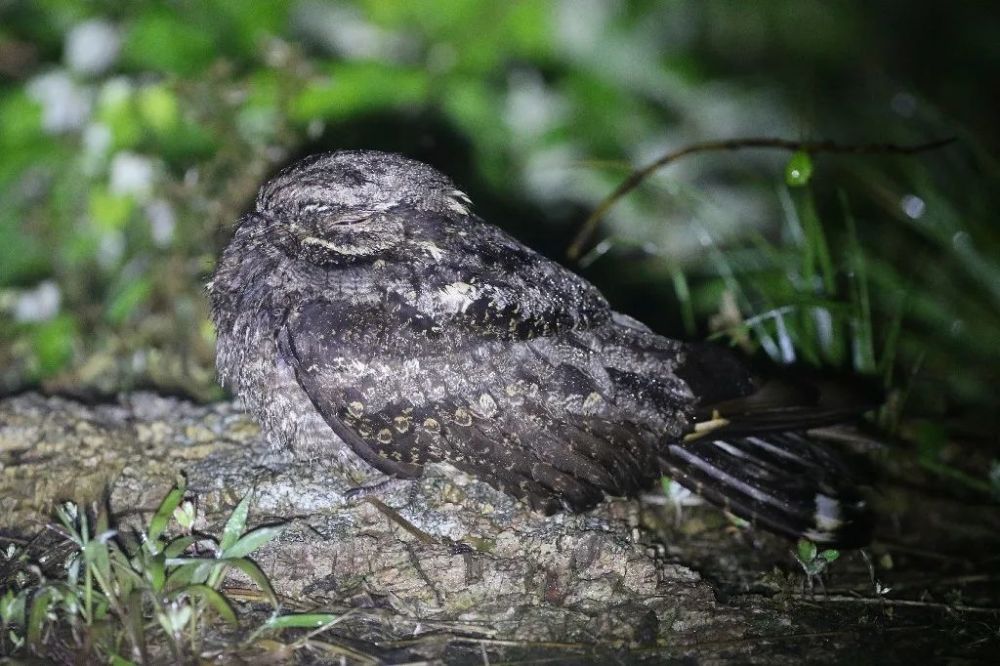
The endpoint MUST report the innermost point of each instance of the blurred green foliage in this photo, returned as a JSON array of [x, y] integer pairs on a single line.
[[133, 135]]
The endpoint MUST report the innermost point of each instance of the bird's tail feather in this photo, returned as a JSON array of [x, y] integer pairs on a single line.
[[783, 481]]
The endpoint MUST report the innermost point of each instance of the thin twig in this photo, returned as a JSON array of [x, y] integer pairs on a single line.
[[394, 516], [926, 583], [911, 603], [769, 638], [636, 177], [342, 651], [494, 642]]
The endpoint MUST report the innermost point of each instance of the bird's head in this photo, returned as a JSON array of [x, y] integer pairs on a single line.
[[339, 207]]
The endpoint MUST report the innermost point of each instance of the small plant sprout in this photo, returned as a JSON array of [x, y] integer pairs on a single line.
[[185, 515], [677, 497], [814, 562]]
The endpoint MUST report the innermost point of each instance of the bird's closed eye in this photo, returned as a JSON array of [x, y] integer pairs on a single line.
[[321, 214], [344, 219]]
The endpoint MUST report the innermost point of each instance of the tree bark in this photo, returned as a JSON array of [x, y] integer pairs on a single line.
[[446, 567]]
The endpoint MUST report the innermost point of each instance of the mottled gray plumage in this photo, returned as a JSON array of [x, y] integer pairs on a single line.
[[361, 298]]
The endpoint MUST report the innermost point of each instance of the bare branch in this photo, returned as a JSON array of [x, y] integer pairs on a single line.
[[636, 177]]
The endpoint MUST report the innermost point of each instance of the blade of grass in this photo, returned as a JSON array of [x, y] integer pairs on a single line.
[[252, 540], [158, 523], [211, 597], [236, 524], [862, 335], [36, 617], [683, 292]]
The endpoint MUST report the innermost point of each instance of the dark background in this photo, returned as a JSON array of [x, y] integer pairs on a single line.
[[132, 135]]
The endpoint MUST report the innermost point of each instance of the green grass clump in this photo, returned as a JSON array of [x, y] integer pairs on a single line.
[[123, 600]]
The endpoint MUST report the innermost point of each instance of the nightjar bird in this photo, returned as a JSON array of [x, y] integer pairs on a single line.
[[361, 302]]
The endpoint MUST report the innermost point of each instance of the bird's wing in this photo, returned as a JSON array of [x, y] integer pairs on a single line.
[[486, 355], [558, 419], [515, 370]]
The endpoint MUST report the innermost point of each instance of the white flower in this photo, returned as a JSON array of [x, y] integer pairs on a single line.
[[65, 105], [38, 304], [96, 144], [162, 220], [92, 47], [132, 174]]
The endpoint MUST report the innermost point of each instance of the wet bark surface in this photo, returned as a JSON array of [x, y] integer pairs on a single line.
[[448, 568]]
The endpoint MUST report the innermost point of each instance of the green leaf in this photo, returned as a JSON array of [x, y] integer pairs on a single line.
[[256, 574], [830, 554], [251, 541], [165, 42], [179, 545], [212, 597], [127, 300], [301, 621], [683, 293], [203, 568], [252, 571], [97, 557], [666, 483], [156, 571], [158, 107], [134, 618], [799, 169], [185, 142], [355, 88], [21, 119], [806, 550], [161, 518], [181, 575], [236, 524], [53, 343], [39, 610], [817, 249], [862, 340], [109, 211], [127, 571], [23, 258], [116, 109], [12, 607]]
